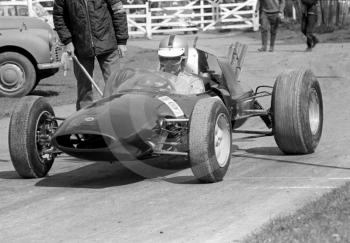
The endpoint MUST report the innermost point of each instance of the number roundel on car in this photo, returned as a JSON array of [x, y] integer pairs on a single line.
[[173, 106]]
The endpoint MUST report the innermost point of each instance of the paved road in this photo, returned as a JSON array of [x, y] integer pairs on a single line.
[[99, 202]]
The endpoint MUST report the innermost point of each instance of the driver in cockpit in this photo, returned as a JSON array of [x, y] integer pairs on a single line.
[[173, 55]]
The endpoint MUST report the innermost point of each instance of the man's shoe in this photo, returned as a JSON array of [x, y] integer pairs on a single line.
[[308, 49], [315, 42], [262, 49], [271, 49]]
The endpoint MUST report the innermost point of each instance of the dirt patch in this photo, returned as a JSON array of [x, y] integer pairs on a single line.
[[291, 34]]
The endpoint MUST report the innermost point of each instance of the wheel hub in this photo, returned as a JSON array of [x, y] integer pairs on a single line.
[[314, 111], [12, 77], [45, 128], [222, 140]]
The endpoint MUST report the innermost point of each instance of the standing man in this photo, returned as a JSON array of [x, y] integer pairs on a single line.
[[89, 29], [309, 21], [271, 12]]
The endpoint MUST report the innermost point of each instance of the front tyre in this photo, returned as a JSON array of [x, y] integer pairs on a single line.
[[297, 111], [210, 140], [30, 131]]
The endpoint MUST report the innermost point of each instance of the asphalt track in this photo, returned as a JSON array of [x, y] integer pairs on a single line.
[[100, 202]]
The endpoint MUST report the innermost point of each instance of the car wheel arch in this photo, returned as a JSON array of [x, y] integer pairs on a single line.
[[223, 97], [22, 51]]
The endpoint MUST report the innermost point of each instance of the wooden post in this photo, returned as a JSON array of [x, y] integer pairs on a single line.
[[148, 20], [30, 8], [202, 13], [255, 17], [294, 13]]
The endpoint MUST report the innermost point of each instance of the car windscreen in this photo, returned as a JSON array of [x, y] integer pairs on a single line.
[[130, 79]]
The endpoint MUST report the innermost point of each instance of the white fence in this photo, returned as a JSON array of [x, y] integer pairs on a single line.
[[163, 16]]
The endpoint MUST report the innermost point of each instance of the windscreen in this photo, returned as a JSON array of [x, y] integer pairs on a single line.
[[144, 80]]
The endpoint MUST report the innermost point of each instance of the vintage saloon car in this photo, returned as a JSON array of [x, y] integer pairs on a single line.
[[28, 53]]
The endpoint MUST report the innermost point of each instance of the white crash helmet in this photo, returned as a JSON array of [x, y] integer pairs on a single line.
[[172, 53]]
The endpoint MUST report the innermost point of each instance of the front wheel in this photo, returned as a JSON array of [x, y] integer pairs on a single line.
[[210, 140], [30, 131], [297, 112]]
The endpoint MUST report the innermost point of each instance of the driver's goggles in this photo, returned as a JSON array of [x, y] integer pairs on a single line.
[[170, 60]]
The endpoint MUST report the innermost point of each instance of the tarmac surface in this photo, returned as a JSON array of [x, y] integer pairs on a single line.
[[100, 202]]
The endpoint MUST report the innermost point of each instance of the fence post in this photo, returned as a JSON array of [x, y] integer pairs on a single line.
[[294, 13], [30, 8], [255, 17], [202, 13], [148, 20]]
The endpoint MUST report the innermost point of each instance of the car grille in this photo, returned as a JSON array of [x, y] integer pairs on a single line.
[[57, 53]]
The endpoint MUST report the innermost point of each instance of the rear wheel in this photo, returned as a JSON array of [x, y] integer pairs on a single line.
[[297, 111], [210, 140], [17, 75], [30, 131]]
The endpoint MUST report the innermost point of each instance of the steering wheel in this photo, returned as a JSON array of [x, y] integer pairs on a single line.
[[166, 84]]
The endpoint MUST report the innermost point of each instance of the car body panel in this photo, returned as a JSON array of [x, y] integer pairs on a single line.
[[126, 120], [27, 33]]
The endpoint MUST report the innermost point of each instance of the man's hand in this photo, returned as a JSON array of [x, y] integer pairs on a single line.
[[68, 52], [122, 50], [69, 48], [281, 15]]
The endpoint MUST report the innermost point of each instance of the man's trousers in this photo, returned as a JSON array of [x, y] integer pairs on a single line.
[[108, 63]]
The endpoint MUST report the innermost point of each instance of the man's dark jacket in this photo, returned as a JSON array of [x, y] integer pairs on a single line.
[[94, 26], [309, 8]]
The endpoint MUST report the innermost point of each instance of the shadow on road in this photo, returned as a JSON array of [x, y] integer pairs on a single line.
[[274, 151], [183, 180], [45, 93], [9, 175], [102, 175], [265, 151], [293, 51]]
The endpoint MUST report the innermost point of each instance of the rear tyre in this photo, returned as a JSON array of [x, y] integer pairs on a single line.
[[210, 140], [30, 132], [297, 112], [17, 75]]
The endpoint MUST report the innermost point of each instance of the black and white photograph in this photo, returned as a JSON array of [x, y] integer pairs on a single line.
[[174, 121]]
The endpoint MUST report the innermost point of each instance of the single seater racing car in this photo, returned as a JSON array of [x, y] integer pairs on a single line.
[[142, 115]]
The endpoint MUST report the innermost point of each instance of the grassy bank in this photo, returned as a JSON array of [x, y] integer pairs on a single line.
[[324, 220]]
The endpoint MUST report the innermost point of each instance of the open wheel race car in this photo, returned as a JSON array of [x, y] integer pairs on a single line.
[[142, 115]]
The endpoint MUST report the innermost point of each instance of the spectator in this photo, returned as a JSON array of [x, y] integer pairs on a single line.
[[173, 54], [271, 12], [308, 22], [90, 29]]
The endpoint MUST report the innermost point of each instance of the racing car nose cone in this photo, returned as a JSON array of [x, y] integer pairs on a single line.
[[125, 118]]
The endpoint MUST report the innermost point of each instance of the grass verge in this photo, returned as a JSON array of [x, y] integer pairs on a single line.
[[324, 220]]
